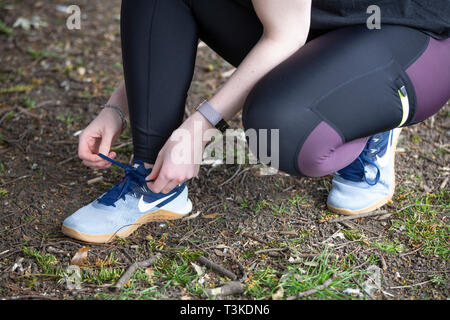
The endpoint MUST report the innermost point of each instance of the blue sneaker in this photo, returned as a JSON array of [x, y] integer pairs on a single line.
[[125, 207], [369, 182]]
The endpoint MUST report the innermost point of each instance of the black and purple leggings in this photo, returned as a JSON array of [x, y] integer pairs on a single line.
[[327, 99]]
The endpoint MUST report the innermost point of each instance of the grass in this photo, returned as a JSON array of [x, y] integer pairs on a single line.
[[391, 247], [3, 193], [5, 29], [48, 263], [17, 88], [36, 54], [68, 118], [421, 221], [264, 283]]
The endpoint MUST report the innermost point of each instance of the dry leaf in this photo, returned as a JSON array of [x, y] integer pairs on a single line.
[[197, 268], [219, 253], [210, 216], [81, 257], [279, 294], [150, 272], [192, 216]]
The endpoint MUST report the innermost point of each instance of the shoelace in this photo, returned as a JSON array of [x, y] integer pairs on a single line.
[[356, 171], [131, 179]]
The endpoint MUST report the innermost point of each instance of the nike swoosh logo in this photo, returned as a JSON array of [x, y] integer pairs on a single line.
[[145, 206]]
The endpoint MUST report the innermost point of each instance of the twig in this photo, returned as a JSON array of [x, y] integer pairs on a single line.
[[253, 237], [114, 148], [232, 177], [217, 268], [241, 267], [270, 250], [357, 216], [131, 269], [411, 286], [14, 180], [306, 293], [95, 180], [30, 114], [410, 252], [66, 160]]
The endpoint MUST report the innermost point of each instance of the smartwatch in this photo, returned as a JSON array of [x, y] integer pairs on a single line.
[[214, 117]]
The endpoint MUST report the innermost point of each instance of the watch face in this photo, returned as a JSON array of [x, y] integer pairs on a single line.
[[222, 125]]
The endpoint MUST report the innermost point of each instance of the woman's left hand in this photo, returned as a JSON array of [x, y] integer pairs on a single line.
[[179, 159]]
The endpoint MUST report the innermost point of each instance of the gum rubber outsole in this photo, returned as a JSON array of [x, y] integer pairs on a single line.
[[160, 215], [382, 201]]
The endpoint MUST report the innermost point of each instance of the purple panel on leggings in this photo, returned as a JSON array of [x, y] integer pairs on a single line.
[[430, 75], [324, 152]]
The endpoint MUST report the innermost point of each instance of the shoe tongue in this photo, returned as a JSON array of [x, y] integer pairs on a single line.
[[140, 167]]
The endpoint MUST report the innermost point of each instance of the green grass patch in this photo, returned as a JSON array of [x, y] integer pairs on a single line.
[[3, 193], [17, 88], [422, 223], [5, 29], [391, 247], [262, 284], [68, 118], [46, 262], [36, 54]]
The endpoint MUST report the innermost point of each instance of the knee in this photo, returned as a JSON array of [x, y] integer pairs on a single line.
[[278, 126]]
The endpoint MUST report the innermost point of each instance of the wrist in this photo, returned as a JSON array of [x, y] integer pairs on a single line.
[[118, 114], [111, 115], [206, 125]]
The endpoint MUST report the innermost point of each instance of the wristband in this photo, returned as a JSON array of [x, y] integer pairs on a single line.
[[214, 117], [119, 111]]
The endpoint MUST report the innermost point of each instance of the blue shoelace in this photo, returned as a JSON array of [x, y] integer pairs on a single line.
[[132, 179], [356, 171]]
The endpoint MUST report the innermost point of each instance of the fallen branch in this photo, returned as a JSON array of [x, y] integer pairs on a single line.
[[360, 215], [95, 180], [411, 286], [306, 293], [131, 269], [229, 288], [271, 250], [241, 268], [232, 177], [253, 237], [30, 114], [217, 268]]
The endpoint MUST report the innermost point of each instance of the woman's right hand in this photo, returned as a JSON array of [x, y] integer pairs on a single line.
[[98, 137]]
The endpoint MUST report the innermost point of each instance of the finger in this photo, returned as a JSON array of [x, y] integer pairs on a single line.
[[157, 185], [169, 187], [97, 165], [85, 152], [156, 168], [105, 145]]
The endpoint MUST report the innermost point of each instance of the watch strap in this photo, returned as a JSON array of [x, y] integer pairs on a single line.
[[214, 117]]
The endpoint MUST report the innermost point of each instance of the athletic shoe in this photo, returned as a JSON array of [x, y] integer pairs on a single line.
[[125, 207], [369, 182]]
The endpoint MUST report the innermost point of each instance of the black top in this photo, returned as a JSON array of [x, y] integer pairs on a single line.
[[430, 16]]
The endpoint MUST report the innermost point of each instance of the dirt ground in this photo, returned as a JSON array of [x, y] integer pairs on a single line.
[[52, 82]]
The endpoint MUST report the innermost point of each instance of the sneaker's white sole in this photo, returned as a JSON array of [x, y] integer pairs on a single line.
[[381, 202], [159, 215]]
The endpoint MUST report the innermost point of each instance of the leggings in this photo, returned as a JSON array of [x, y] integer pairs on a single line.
[[327, 99]]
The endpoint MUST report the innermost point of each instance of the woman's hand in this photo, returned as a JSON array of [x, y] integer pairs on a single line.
[[98, 137], [179, 159]]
